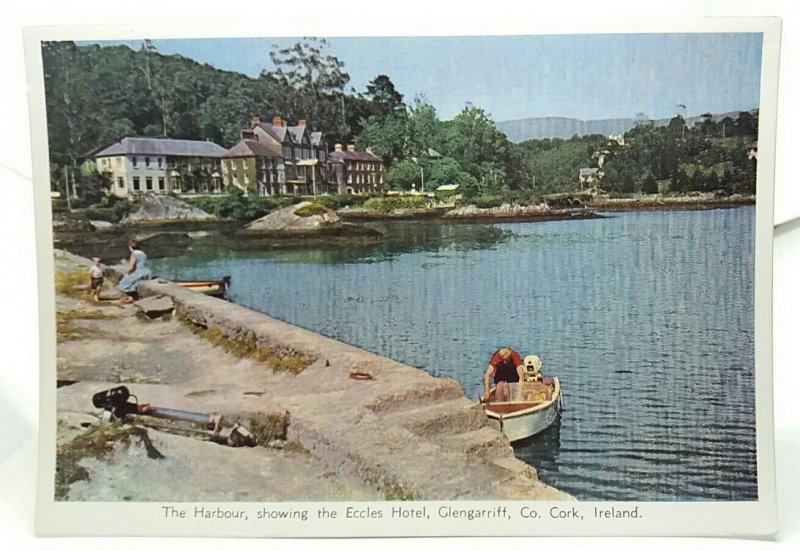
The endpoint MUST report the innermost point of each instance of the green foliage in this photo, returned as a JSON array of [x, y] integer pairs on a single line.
[[649, 185], [310, 209], [336, 202], [402, 174], [234, 205], [120, 209], [523, 198], [552, 165], [387, 205]]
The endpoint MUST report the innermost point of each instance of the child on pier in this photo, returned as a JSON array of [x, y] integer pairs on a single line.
[[97, 274]]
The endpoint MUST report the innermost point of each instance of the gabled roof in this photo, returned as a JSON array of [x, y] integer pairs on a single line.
[[316, 138], [297, 133], [249, 148], [277, 132], [162, 146]]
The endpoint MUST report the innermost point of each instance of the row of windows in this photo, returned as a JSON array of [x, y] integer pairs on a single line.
[[359, 165], [365, 179], [158, 162], [303, 153], [148, 183], [148, 160]]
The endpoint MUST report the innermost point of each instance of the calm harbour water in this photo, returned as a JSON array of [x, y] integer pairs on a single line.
[[646, 317]]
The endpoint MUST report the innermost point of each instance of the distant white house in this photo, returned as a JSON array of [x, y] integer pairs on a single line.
[[589, 175], [448, 187], [161, 165]]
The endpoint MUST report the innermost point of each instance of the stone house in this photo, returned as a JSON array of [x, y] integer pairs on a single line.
[[356, 171], [253, 168], [161, 165], [304, 154]]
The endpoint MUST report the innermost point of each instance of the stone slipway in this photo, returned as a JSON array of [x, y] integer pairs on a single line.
[[403, 431], [403, 434]]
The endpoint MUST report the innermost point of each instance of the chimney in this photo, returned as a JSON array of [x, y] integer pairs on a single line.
[[276, 121], [255, 120], [301, 122], [351, 147], [337, 147]]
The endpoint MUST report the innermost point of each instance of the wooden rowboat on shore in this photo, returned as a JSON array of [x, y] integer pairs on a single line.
[[211, 287], [533, 407]]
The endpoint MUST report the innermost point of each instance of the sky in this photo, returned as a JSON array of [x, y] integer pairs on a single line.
[[585, 77]]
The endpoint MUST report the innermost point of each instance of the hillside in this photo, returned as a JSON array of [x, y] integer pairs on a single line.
[[538, 128]]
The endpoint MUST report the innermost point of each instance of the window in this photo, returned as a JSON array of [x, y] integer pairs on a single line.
[[147, 162], [120, 182], [160, 162], [136, 186], [119, 162], [161, 184], [148, 183], [134, 161]]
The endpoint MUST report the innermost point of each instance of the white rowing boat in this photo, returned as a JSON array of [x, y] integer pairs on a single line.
[[531, 408]]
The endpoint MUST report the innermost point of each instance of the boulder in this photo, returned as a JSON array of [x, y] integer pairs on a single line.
[[156, 306], [164, 208], [70, 222], [306, 216]]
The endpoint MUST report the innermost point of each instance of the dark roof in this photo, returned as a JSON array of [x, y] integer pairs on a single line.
[[162, 146], [249, 148], [277, 132], [354, 156], [297, 133]]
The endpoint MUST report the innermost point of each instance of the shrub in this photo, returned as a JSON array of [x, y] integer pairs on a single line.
[[310, 209], [389, 204]]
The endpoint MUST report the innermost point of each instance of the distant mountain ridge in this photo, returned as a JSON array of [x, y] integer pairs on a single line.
[[538, 128]]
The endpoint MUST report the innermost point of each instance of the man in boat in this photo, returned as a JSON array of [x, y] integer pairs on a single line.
[[505, 367]]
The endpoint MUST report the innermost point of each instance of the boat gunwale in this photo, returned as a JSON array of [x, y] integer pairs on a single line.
[[539, 406]]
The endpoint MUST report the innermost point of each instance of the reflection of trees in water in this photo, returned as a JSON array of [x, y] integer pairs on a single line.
[[401, 238]]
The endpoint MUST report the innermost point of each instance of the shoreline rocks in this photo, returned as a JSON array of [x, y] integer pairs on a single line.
[[162, 208]]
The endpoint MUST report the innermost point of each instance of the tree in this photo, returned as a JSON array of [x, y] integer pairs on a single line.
[[649, 185], [424, 128], [712, 181], [317, 80], [676, 127], [384, 98], [402, 174], [387, 136], [473, 140], [679, 182], [697, 181]]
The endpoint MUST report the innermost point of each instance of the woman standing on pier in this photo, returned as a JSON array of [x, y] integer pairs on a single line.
[[137, 271]]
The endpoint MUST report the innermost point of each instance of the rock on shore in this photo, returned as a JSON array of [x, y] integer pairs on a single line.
[[163, 208], [505, 210], [306, 216]]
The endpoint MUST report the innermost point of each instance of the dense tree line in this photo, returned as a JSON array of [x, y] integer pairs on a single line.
[[96, 95]]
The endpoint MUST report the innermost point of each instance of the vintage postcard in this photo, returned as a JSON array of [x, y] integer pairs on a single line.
[[308, 283]]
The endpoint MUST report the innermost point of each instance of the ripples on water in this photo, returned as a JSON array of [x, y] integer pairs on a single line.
[[647, 319]]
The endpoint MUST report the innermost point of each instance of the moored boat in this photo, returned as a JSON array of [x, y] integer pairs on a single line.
[[211, 287], [530, 409]]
